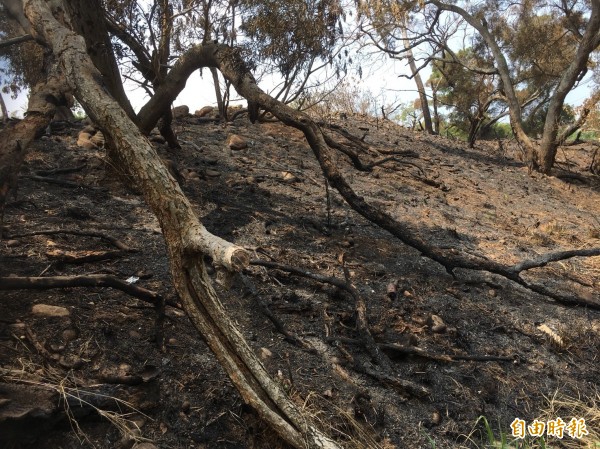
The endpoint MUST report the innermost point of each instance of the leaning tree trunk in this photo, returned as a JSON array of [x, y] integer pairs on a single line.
[[418, 81], [14, 140], [4, 110], [512, 100], [89, 23], [589, 42], [186, 238], [542, 158]]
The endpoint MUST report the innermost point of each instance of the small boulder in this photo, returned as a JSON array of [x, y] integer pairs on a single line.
[[264, 353], [84, 141], [181, 111], [212, 173], [289, 177], [203, 112], [437, 324], [237, 142], [50, 311]]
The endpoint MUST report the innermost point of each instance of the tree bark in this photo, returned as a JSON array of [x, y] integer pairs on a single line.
[[15, 140], [87, 20], [418, 81], [186, 239], [3, 109], [589, 42]]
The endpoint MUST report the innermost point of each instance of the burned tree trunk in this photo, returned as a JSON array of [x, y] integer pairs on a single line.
[[418, 81], [88, 21], [186, 238], [15, 140], [3, 109]]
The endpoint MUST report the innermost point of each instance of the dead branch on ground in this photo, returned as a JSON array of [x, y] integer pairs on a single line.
[[90, 280], [59, 171], [266, 311], [362, 325], [237, 72], [112, 240], [58, 182]]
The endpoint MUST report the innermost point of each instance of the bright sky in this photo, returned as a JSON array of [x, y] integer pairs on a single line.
[[379, 77]]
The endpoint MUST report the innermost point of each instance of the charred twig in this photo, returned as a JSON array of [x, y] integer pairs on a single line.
[[361, 308], [81, 257], [545, 259], [397, 349], [58, 171], [112, 240], [39, 347], [60, 182], [264, 308], [357, 141], [402, 385], [414, 350], [98, 280], [362, 323], [393, 159], [433, 183], [301, 272], [403, 153], [358, 164]]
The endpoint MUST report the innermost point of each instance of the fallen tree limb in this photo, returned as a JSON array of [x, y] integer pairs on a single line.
[[395, 348], [58, 182], [112, 240], [91, 280], [545, 259], [58, 171], [281, 328], [237, 72], [81, 257], [356, 141]]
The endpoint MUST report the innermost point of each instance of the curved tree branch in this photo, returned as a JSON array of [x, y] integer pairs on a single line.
[[185, 237], [233, 69]]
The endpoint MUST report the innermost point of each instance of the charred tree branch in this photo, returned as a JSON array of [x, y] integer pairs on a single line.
[[91, 280]]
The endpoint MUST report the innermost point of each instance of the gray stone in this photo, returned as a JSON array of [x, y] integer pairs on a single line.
[[181, 111]]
